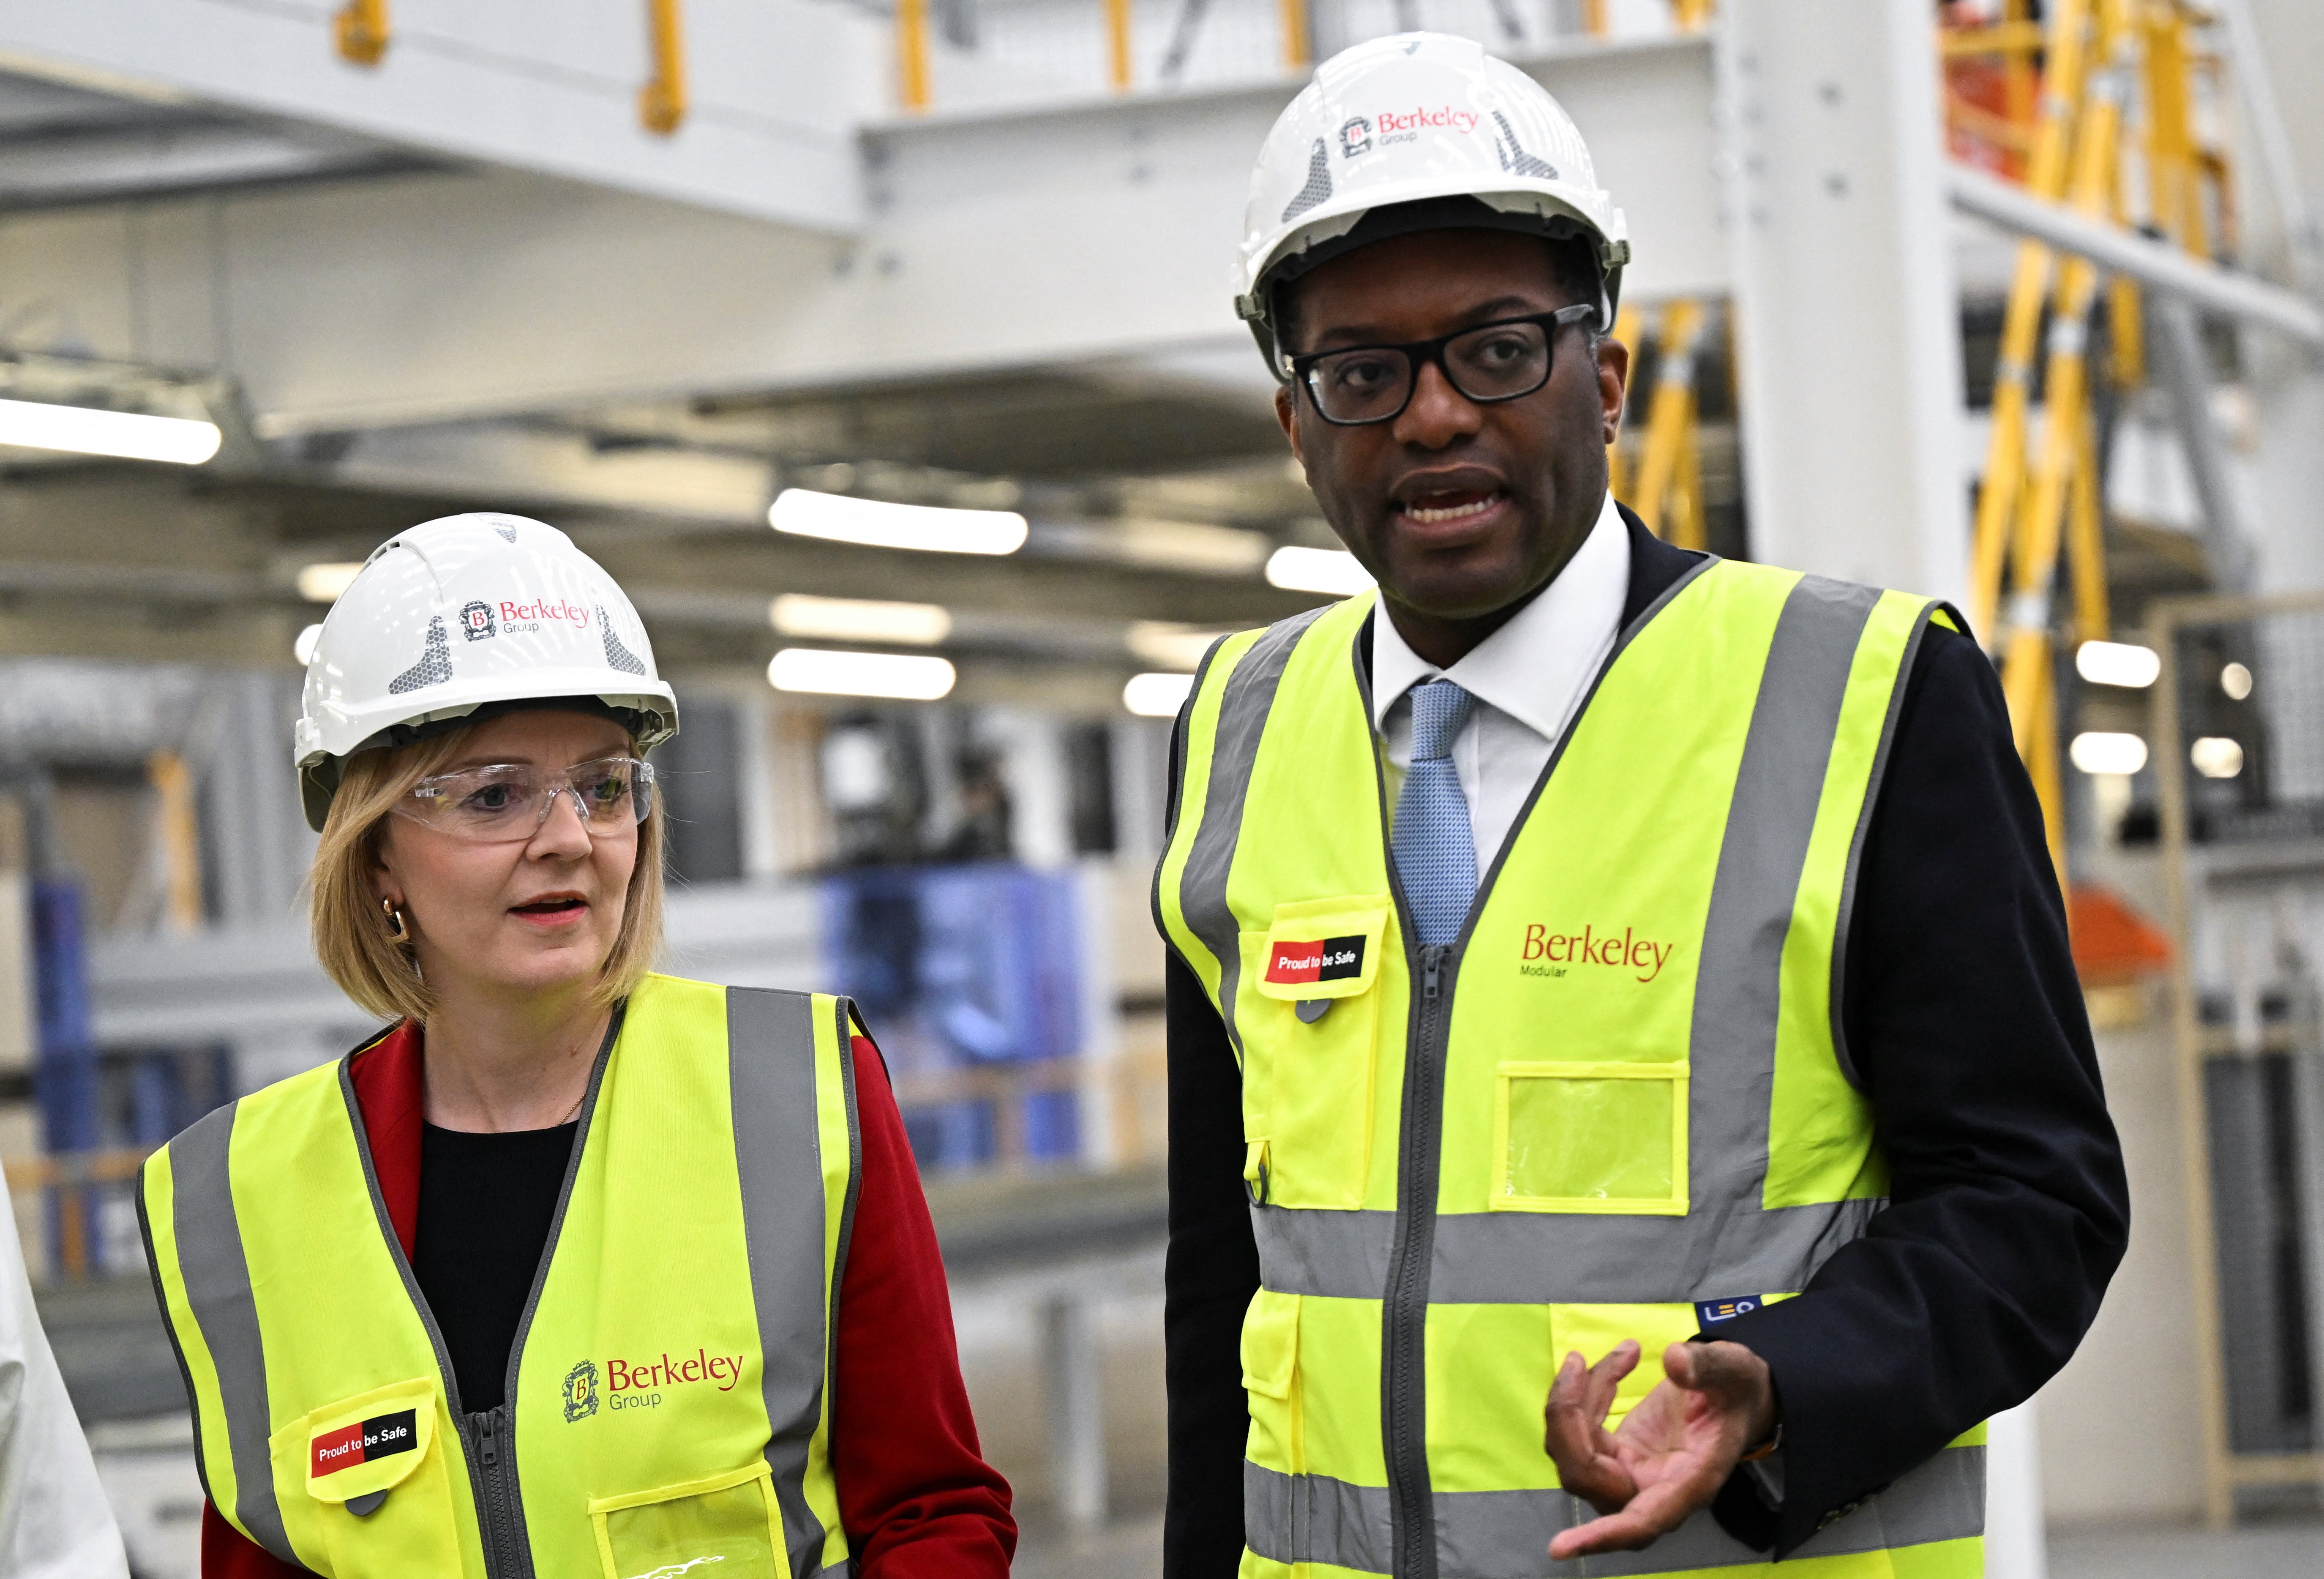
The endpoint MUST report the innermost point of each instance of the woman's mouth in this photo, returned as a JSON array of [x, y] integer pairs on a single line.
[[557, 912]]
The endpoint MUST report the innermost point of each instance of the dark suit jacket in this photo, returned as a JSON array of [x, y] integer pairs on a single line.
[[2008, 1209]]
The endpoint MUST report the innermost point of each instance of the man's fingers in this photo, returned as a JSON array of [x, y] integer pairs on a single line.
[[1606, 1376], [1652, 1513], [1574, 1434]]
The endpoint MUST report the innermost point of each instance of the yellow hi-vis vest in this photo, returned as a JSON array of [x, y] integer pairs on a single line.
[[668, 1405], [1617, 1106]]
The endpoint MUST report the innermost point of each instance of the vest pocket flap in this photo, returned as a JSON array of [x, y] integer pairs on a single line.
[[1322, 948], [723, 1518], [1270, 1344], [365, 1444]]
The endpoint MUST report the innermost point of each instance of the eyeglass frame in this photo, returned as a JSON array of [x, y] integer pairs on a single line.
[[642, 778], [1420, 353]]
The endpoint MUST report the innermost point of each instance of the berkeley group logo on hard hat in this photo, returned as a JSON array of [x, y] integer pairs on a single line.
[[477, 620], [1355, 137]]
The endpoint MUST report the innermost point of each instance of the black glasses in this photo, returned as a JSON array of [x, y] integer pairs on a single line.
[[1500, 361]]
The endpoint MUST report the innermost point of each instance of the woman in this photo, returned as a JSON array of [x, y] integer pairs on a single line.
[[576, 1269]]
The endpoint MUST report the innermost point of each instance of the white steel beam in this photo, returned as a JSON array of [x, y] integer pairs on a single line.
[[1847, 318], [2156, 264], [777, 87], [993, 241]]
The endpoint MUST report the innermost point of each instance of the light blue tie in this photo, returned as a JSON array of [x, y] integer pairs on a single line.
[[1436, 853]]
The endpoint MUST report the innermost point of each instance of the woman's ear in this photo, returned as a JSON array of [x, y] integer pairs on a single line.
[[385, 884]]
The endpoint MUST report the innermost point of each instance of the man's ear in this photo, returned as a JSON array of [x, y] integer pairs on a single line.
[[1613, 385], [1286, 412]]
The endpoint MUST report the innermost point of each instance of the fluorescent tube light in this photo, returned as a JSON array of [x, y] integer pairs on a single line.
[[880, 525], [1333, 571], [856, 619], [325, 583], [86, 430], [861, 674], [2102, 750], [1156, 695], [2117, 663], [303, 649], [1168, 643], [2216, 756]]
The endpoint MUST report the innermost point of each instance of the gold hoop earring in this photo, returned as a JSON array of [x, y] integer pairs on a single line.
[[397, 930]]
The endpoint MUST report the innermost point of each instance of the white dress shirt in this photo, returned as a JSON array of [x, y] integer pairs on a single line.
[[1529, 678]]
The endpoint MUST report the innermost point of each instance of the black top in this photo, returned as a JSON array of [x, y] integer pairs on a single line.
[[2008, 1207], [475, 1267]]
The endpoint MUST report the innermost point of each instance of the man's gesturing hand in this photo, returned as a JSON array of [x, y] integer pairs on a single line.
[[1673, 1450]]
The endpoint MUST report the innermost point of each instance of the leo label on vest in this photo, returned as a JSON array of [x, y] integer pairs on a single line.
[[1323, 959], [1711, 1312], [376, 1437]]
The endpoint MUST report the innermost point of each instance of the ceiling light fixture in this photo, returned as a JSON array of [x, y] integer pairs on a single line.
[[857, 619], [1331, 571], [1156, 695], [880, 524], [325, 583], [86, 430], [2105, 750], [1168, 643], [2236, 680], [2217, 756], [2117, 663], [892, 674]]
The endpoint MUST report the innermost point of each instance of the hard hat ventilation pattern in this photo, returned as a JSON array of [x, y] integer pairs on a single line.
[[435, 665], [1318, 189], [508, 533], [616, 655], [1514, 159]]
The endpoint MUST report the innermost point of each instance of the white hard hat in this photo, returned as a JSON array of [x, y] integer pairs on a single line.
[[1416, 118], [457, 615]]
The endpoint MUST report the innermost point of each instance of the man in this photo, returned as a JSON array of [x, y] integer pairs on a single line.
[[1629, 1092]]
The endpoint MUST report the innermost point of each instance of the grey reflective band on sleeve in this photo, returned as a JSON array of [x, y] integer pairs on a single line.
[[1492, 1535], [1234, 748], [779, 1157], [215, 1273]]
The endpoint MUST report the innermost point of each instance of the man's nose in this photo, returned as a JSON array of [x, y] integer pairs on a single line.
[[1437, 414]]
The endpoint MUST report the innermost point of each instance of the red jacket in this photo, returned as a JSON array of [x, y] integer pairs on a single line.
[[916, 1499]]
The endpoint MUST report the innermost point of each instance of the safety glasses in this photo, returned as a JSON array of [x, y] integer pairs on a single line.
[[1505, 360], [503, 803]]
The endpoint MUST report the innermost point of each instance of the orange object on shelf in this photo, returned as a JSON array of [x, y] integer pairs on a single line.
[[2114, 945]]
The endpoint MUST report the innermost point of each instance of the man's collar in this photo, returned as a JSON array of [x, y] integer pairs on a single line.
[[1567, 626]]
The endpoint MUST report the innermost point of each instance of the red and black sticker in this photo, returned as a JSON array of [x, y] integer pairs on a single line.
[[360, 1443], [1321, 959]]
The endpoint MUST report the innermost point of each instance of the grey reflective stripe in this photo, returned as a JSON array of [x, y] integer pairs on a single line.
[[778, 1156], [1847, 912], [216, 1275], [1506, 1535], [1234, 747], [1739, 988], [1555, 1258]]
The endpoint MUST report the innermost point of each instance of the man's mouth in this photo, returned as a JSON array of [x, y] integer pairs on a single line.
[[1451, 506]]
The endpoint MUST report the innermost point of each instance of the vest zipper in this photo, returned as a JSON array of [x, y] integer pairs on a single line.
[[1405, 1336], [506, 1544]]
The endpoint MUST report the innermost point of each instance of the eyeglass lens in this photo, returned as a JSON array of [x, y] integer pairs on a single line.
[[507, 801], [1499, 362]]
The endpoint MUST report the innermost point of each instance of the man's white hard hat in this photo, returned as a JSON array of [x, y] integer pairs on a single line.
[[1415, 119], [466, 613]]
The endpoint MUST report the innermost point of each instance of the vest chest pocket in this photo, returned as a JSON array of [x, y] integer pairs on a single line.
[[368, 1475], [1596, 1137], [1308, 1015], [731, 1520]]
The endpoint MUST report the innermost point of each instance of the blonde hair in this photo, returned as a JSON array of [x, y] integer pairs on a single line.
[[350, 930]]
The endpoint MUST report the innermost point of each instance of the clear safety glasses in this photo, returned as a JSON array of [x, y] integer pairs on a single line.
[[503, 803], [1502, 360]]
